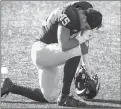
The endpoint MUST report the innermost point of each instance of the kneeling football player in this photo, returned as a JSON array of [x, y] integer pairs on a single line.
[[63, 40]]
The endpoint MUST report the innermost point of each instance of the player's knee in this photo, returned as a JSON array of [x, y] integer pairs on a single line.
[[39, 96]]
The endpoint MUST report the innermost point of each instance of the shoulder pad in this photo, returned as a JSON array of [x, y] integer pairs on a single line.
[[69, 18]]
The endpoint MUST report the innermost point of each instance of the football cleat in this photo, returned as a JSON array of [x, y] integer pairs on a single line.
[[7, 87], [70, 101], [86, 87]]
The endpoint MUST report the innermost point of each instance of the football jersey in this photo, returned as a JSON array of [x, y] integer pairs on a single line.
[[66, 16]]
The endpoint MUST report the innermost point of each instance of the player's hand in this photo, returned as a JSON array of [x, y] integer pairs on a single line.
[[85, 36], [88, 34], [90, 70]]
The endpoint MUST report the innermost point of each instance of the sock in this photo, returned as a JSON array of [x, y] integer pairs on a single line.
[[34, 94], [69, 72]]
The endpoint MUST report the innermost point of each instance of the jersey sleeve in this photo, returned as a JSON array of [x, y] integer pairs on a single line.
[[69, 18]]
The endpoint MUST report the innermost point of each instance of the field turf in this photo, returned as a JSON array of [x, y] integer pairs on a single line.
[[20, 25]]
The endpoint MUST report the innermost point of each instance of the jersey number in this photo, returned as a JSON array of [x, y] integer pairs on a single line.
[[64, 19]]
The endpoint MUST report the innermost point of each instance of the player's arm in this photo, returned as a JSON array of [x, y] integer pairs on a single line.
[[66, 23], [68, 42], [85, 62], [84, 50], [64, 39], [85, 58]]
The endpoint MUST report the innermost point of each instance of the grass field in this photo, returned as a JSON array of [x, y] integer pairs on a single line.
[[20, 23]]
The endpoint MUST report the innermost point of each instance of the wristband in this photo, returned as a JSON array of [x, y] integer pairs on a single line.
[[81, 39], [86, 37]]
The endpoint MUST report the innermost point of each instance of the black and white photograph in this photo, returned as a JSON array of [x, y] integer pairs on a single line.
[[60, 54]]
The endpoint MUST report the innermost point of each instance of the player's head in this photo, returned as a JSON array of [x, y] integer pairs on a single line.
[[94, 18], [90, 19]]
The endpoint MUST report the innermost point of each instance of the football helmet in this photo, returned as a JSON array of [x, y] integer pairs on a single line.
[[86, 87]]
